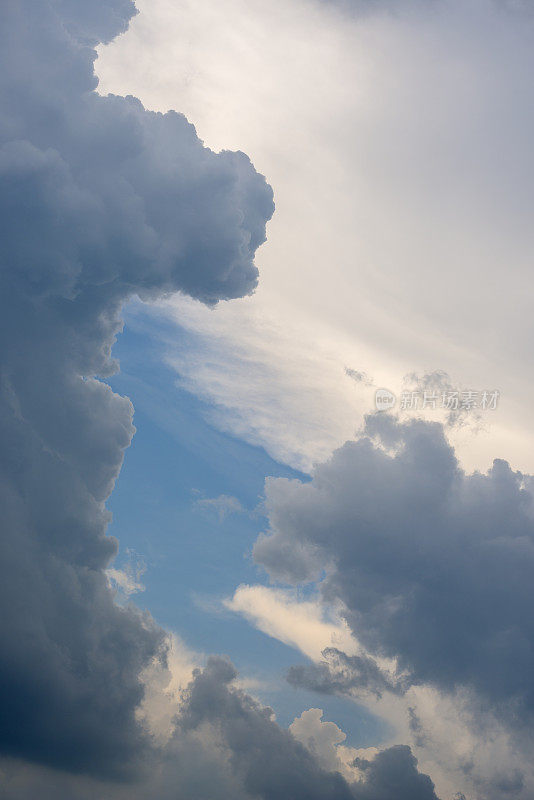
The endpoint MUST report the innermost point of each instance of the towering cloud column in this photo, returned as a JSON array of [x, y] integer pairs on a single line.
[[100, 200]]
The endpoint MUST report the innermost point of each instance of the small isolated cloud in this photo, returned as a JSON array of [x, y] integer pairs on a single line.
[[359, 377], [223, 505], [127, 581]]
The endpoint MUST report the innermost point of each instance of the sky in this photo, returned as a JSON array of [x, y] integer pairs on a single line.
[[228, 229]]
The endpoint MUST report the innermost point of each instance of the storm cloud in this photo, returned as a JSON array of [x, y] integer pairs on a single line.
[[433, 566], [226, 744], [100, 201]]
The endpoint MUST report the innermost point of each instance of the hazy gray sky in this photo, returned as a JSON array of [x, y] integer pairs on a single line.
[[398, 144]]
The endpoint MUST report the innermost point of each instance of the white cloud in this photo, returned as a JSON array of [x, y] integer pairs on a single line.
[[303, 624], [127, 581], [325, 740], [222, 505]]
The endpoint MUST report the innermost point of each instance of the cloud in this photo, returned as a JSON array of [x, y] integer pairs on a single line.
[[321, 738], [225, 744], [164, 683], [432, 565], [438, 385], [341, 665], [273, 379], [101, 201], [127, 581], [303, 624], [274, 764], [339, 673], [358, 376], [222, 505], [393, 775], [389, 774], [271, 762]]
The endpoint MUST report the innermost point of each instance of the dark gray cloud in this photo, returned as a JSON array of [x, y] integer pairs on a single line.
[[100, 200], [227, 745], [339, 673], [434, 566], [393, 775]]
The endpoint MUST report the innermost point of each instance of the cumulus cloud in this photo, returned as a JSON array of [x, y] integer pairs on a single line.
[[321, 738], [393, 775], [273, 763], [270, 760], [101, 200], [390, 774], [225, 744], [433, 565]]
